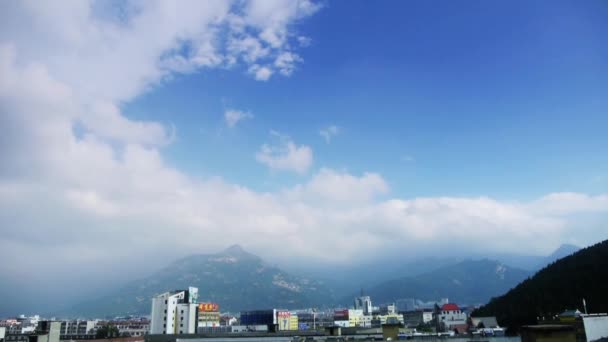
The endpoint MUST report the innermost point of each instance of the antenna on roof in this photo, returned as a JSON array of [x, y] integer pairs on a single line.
[[585, 305]]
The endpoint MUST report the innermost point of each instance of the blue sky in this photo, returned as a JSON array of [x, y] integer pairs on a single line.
[[302, 130], [504, 99]]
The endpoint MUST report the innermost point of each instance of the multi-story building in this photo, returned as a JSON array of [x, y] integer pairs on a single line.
[[287, 320], [45, 331], [364, 303], [351, 318], [12, 326], [405, 304], [378, 320], [228, 320], [388, 309], [414, 318], [21, 325], [133, 328], [175, 312], [273, 319], [254, 319], [208, 315], [450, 315], [78, 328]]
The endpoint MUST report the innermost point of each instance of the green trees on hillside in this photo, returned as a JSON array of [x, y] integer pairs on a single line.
[[560, 286]]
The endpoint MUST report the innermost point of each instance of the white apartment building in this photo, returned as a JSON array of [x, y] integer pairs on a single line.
[[133, 328], [427, 316], [450, 315], [78, 327], [364, 303], [175, 312]]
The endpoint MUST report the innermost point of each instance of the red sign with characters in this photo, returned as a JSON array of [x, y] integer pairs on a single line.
[[208, 307], [284, 314], [341, 315]]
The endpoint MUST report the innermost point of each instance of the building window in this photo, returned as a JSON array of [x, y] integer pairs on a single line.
[[165, 310], [164, 325], [165, 301], [181, 325]]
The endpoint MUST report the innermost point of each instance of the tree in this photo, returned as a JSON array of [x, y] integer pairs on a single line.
[[107, 331], [559, 286], [422, 327]]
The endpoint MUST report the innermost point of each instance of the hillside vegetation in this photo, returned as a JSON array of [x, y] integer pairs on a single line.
[[559, 286]]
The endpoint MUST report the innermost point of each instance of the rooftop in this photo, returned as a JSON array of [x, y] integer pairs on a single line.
[[450, 307]]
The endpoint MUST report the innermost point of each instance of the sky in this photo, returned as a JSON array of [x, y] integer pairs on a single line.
[[137, 132]]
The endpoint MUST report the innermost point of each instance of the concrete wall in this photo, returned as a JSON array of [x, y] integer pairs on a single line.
[[596, 327]]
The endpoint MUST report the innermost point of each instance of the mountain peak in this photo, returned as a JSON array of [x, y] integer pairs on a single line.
[[235, 251], [236, 248], [561, 252], [566, 248]]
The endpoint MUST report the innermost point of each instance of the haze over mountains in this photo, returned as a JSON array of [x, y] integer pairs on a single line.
[[239, 280], [467, 282]]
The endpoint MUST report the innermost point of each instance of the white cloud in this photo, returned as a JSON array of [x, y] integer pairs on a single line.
[[285, 155], [260, 73], [407, 158], [564, 203], [304, 41], [234, 116], [328, 132], [84, 187], [334, 187], [75, 170], [272, 17], [285, 62]]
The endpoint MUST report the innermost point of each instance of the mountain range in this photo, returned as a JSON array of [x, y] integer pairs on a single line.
[[239, 280], [467, 282], [534, 262], [233, 278]]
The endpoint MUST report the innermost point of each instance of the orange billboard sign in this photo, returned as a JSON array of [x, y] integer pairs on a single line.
[[208, 307]]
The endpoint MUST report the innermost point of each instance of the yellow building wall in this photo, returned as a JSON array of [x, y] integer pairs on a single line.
[[293, 322], [288, 323]]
